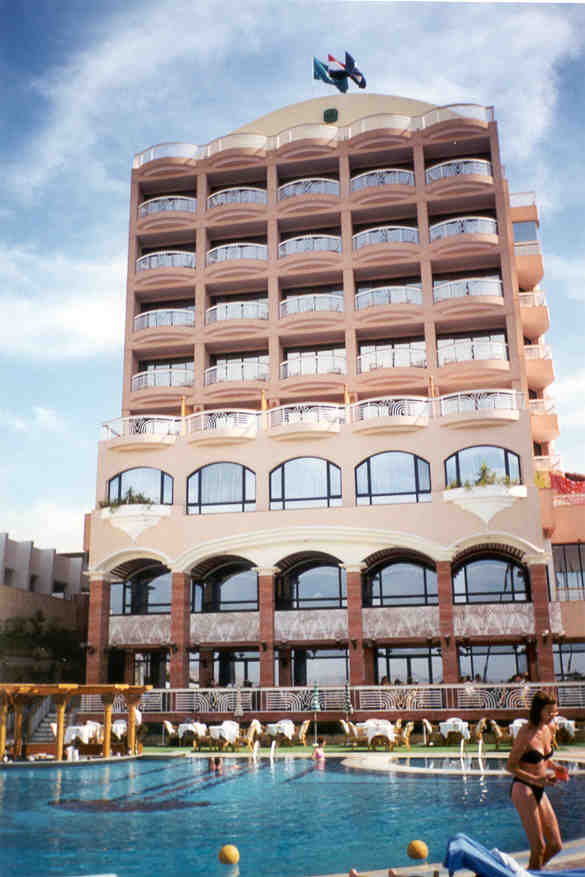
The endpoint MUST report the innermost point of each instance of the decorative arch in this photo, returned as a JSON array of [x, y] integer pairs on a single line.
[[224, 583], [305, 482], [400, 577], [310, 580]]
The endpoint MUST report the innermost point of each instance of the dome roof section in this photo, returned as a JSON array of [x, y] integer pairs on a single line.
[[350, 108]]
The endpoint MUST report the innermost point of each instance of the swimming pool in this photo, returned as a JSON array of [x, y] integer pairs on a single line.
[[170, 817]]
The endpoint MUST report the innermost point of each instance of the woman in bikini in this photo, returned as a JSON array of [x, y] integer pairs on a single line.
[[530, 761]]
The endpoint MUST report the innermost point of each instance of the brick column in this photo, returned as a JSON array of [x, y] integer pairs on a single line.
[[284, 667], [98, 626], [180, 638], [205, 667], [266, 631], [446, 624], [355, 628], [544, 652], [129, 667]]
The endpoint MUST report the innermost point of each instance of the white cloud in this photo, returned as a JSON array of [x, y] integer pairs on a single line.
[[569, 394], [58, 308], [568, 273], [40, 420], [48, 524]]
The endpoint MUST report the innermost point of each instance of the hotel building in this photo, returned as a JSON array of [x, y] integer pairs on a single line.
[[335, 451]]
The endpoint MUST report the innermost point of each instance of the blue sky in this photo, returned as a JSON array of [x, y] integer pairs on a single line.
[[84, 88]]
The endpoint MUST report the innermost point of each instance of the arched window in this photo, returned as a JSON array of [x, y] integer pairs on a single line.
[[401, 582], [305, 482], [312, 584], [141, 484], [147, 592], [393, 476], [482, 464], [490, 578], [230, 587], [221, 487]]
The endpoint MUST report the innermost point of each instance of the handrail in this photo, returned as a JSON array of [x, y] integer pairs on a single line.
[[163, 377], [237, 195], [167, 203], [236, 250], [237, 310], [308, 186], [533, 299], [456, 166], [522, 199], [308, 243], [542, 406], [463, 225], [145, 424], [385, 234], [384, 176], [303, 304], [317, 363], [236, 371], [468, 286], [388, 295], [547, 463], [481, 400], [221, 418], [401, 357], [465, 350], [306, 412], [166, 259], [391, 406], [537, 351], [164, 317]]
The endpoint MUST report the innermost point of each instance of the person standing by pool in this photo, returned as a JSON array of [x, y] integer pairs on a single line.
[[530, 761], [319, 753]]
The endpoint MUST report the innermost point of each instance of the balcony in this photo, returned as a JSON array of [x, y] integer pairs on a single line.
[[529, 265], [307, 195], [165, 318], [237, 261], [321, 363], [310, 252], [466, 360], [480, 408], [464, 176], [237, 310], [163, 377], [177, 151], [393, 358], [305, 420], [464, 236], [167, 213], [391, 414], [549, 463], [292, 142], [534, 313], [223, 426], [165, 268], [242, 372], [237, 203], [385, 245], [313, 303], [469, 296], [382, 186], [539, 365], [395, 368], [543, 420], [150, 432]]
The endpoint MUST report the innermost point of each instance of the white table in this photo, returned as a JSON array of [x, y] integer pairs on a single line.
[[119, 728], [228, 731], [377, 728], [197, 728], [515, 727], [454, 726], [284, 726], [567, 724], [82, 731]]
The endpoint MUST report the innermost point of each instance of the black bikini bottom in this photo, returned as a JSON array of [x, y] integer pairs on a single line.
[[537, 791]]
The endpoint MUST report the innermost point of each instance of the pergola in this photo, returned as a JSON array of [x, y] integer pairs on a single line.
[[16, 696]]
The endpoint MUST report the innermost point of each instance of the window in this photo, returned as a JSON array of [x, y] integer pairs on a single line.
[[465, 467], [401, 583], [305, 482], [569, 564], [393, 476], [490, 578], [525, 232], [404, 352], [324, 666], [409, 665], [146, 593], [221, 487], [499, 663], [231, 587], [312, 585], [569, 661], [153, 485], [472, 346]]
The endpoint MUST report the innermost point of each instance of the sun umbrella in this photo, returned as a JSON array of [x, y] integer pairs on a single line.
[[347, 705], [316, 707]]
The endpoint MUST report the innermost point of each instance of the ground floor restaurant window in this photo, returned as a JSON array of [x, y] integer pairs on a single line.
[[487, 663], [408, 665]]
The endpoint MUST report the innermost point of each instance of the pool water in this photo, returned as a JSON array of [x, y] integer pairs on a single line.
[[288, 819]]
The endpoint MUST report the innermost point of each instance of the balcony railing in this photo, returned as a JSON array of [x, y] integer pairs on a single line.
[[533, 299], [391, 406], [313, 364], [308, 243], [220, 419], [236, 371], [309, 186], [549, 463], [306, 412], [464, 351], [305, 304], [386, 176], [456, 167], [166, 259], [385, 234], [164, 317], [304, 132], [163, 377], [463, 225], [468, 286], [542, 406], [237, 195], [522, 199], [388, 295], [465, 111], [167, 203], [237, 310], [481, 400], [537, 351], [148, 424], [392, 358], [225, 252], [167, 150]]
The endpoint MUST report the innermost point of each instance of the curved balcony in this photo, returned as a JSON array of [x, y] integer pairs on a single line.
[[227, 252], [534, 313], [463, 176], [392, 358], [162, 377], [237, 195], [223, 426], [305, 420], [529, 265], [236, 371], [388, 295], [464, 236], [166, 259], [311, 303], [543, 420], [166, 213], [466, 362], [460, 116], [381, 186], [250, 144], [322, 363], [309, 243], [154, 432], [463, 225], [175, 151], [237, 261], [371, 246], [167, 204], [470, 296], [388, 414], [465, 350], [539, 366], [237, 310], [165, 318], [291, 140], [550, 463], [480, 408], [308, 186]]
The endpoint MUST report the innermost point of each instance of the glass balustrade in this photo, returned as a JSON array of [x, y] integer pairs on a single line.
[[391, 406], [457, 167], [312, 364], [306, 412], [310, 186], [481, 400], [222, 419], [164, 317], [236, 371], [168, 203], [468, 286], [304, 304], [401, 357], [163, 377], [463, 225], [387, 234], [166, 259], [226, 252], [237, 195], [309, 243], [388, 295], [464, 351], [237, 310], [382, 177], [146, 424]]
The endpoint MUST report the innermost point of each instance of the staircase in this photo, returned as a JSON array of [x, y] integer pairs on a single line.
[[43, 733]]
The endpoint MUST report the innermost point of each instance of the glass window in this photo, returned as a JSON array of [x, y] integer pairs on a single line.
[[141, 484], [401, 583], [236, 668], [393, 476], [409, 665], [324, 666], [305, 482], [232, 587], [221, 487], [525, 231], [482, 464], [147, 593], [499, 663], [569, 661], [490, 579], [312, 586], [569, 564]]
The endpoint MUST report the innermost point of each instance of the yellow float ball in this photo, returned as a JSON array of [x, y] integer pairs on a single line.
[[417, 849], [229, 855]]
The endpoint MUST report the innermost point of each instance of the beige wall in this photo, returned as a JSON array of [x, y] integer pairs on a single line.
[[17, 603]]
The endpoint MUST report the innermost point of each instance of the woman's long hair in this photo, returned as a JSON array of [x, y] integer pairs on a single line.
[[540, 700]]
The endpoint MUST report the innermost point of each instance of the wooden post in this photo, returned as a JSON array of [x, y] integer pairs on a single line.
[[18, 708], [132, 700], [60, 701], [108, 701], [3, 721]]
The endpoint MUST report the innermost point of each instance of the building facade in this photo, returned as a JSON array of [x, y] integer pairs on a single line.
[[335, 438]]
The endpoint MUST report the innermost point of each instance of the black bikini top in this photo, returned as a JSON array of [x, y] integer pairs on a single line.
[[533, 756]]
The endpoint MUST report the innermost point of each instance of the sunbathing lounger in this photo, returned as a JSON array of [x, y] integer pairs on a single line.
[[465, 853]]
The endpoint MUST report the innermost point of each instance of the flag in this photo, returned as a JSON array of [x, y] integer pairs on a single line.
[[321, 71]]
